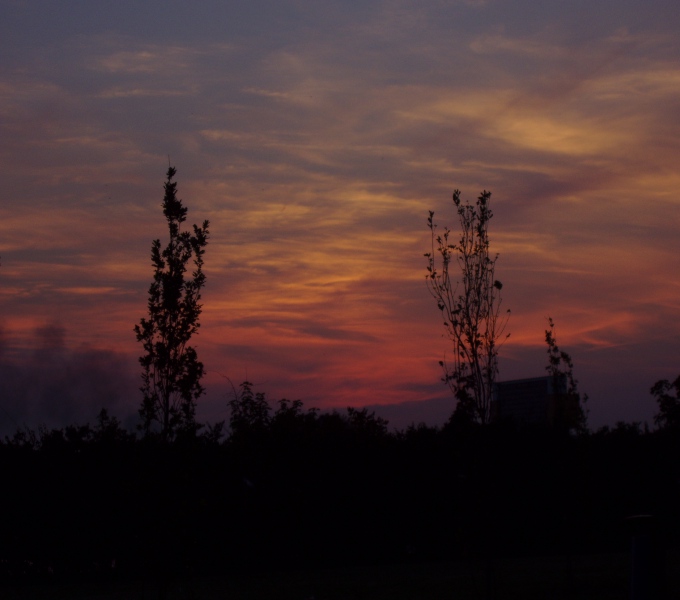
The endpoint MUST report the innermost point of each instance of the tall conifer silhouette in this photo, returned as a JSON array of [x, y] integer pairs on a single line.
[[171, 371]]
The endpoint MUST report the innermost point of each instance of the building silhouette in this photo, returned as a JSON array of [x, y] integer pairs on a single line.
[[537, 401]]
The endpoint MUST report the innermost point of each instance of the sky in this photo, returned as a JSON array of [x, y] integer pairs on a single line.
[[315, 137]]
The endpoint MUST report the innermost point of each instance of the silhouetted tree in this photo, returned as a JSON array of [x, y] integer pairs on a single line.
[[365, 423], [669, 405], [109, 430], [291, 419], [171, 371], [571, 411], [470, 301], [250, 413]]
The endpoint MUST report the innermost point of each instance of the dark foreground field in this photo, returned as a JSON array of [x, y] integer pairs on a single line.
[[315, 507], [601, 577]]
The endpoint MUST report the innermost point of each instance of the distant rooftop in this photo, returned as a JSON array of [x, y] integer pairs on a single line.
[[534, 401]]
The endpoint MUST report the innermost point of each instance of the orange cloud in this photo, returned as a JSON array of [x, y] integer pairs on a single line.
[[316, 158]]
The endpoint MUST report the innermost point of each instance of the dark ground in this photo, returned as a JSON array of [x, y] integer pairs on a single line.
[[335, 507], [601, 577]]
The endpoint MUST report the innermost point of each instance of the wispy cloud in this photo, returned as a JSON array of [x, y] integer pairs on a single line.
[[316, 141]]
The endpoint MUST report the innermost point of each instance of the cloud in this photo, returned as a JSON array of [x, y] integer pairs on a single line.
[[498, 43], [316, 141], [149, 59]]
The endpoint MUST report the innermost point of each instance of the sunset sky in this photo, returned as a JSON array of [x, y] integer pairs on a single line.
[[315, 137]]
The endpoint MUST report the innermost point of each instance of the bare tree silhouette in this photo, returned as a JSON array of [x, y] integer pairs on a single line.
[[470, 302]]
